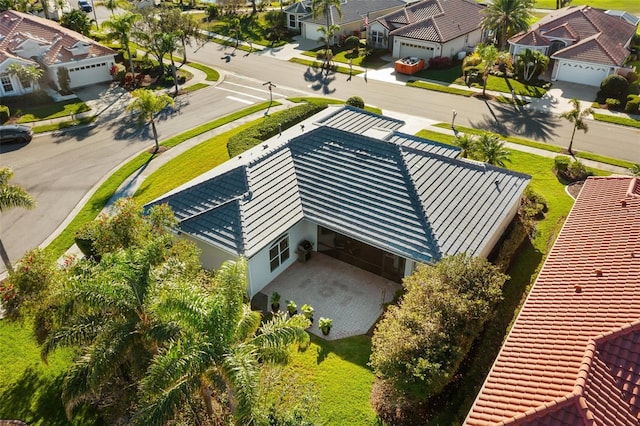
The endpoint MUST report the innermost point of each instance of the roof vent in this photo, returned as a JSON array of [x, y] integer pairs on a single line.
[[598, 272], [578, 288], [623, 203], [265, 146]]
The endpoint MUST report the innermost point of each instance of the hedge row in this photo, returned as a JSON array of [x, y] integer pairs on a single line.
[[271, 126]]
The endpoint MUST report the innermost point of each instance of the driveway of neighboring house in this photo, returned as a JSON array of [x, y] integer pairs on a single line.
[[351, 297]]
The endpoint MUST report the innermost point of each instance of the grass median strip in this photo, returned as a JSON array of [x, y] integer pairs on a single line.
[[106, 190], [212, 75], [64, 125], [623, 121], [439, 88]]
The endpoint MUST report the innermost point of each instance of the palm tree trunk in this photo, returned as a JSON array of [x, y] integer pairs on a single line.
[[155, 134], [205, 391], [133, 72], [5, 258], [571, 142], [175, 74], [184, 52]]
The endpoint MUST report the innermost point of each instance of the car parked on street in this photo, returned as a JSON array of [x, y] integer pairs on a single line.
[[84, 6], [15, 133]]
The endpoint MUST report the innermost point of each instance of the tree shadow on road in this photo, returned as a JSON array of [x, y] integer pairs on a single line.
[[502, 119], [320, 80]]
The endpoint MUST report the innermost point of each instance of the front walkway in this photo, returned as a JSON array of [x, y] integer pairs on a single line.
[[351, 297]]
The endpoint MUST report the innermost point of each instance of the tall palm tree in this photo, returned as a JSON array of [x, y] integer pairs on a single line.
[[506, 18], [577, 117], [221, 349], [489, 54], [147, 104], [112, 5], [327, 36], [491, 150], [168, 42], [532, 63], [323, 8], [467, 145], [11, 196], [120, 27]]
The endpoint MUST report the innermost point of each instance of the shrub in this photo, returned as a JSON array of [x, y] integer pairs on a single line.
[[4, 113], [440, 62], [355, 101], [561, 163], [212, 11], [632, 76], [612, 103], [471, 60], [533, 205], [270, 127], [614, 86], [322, 54], [633, 104], [393, 407], [577, 171], [351, 42]]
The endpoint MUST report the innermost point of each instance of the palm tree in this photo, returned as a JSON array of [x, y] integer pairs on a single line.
[[327, 36], [577, 117], [221, 348], [467, 145], [491, 150], [28, 75], [489, 54], [323, 8], [168, 42], [532, 63], [112, 5], [506, 18], [148, 103], [107, 310], [120, 27], [11, 196]]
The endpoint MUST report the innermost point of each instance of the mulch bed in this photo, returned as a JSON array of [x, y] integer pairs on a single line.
[[574, 188]]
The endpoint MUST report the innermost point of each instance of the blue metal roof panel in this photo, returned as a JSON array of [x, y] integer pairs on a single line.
[[357, 120], [221, 226], [426, 145]]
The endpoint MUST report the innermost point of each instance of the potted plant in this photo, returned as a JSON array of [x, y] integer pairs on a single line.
[[292, 308], [324, 324], [307, 310], [275, 301]]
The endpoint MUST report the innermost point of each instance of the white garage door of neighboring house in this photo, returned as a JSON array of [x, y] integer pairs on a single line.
[[591, 75], [412, 49], [84, 75]]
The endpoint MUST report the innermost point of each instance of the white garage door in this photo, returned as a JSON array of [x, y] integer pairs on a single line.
[[85, 75], [412, 49], [591, 75]]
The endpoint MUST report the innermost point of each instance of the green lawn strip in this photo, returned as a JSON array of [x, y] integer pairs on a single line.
[[448, 75], [100, 198], [29, 388], [212, 75], [64, 124], [542, 145], [47, 112], [631, 6], [439, 88], [505, 85], [504, 100], [193, 88], [338, 372], [623, 121], [329, 101], [318, 64]]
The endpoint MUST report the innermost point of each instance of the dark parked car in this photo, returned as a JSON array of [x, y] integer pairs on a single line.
[[84, 6], [15, 133]]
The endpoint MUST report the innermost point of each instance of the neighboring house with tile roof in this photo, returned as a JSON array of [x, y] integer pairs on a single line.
[[572, 357], [429, 29], [30, 40], [351, 22], [586, 44], [382, 203]]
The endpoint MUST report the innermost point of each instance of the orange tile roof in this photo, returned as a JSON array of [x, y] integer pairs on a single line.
[[573, 355], [17, 27]]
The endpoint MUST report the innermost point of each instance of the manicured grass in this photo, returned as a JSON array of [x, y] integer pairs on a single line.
[[30, 113], [623, 121], [544, 146], [63, 125], [631, 6], [448, 75], [318, 65], [212, 75], [505, 85], [439, 88], [338, 371], [329, 101], [195, 87]]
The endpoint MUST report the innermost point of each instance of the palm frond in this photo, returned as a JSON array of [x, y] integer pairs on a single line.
[[76, 387], [14, 196], [280, 332], [240, 370], [248, 324], [82, 331]]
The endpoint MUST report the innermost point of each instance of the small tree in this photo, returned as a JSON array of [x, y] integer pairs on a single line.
[[491, 150], [355, 101], [27, 74], [489, 54], [77, 21], [577, 117], [147, 104], [467, 144], [531, 63], [64, 80]]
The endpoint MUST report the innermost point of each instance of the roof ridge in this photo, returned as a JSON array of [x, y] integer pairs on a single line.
[[542, 409]]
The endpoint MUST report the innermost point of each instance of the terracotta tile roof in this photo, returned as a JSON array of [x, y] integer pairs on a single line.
[[435, 20], [573, 355], [16, 28], [531, 38], [579, 23]]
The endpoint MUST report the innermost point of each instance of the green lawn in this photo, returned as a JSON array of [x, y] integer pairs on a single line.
[[505, 85], [448, 75], [623, 121], [30, 113], [631, 6], [439, 88]]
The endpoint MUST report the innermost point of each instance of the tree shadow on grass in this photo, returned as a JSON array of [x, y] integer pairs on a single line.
[[355, 349], [35, 399], [502, 119]]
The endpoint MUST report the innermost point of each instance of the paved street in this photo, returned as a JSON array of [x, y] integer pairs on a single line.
[[60, 169]]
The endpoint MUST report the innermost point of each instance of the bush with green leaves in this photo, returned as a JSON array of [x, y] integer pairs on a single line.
[[633, 104], [571, 171], [561, 163], [612, 103], [271, 126], [355, 101], [533, 205], [419, 344], [613, 86], [4, 114]]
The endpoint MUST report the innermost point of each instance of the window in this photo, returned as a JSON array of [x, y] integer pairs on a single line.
[[279, 252], [292, 20], [377, 37], [6, 84]]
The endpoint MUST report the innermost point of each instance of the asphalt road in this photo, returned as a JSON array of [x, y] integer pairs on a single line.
[[60, 169]]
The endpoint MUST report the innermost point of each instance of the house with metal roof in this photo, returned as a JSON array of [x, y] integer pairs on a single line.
[[351, 18], [585, 44], [354, 187], [572, 358], [429, 29], [30, 40]]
